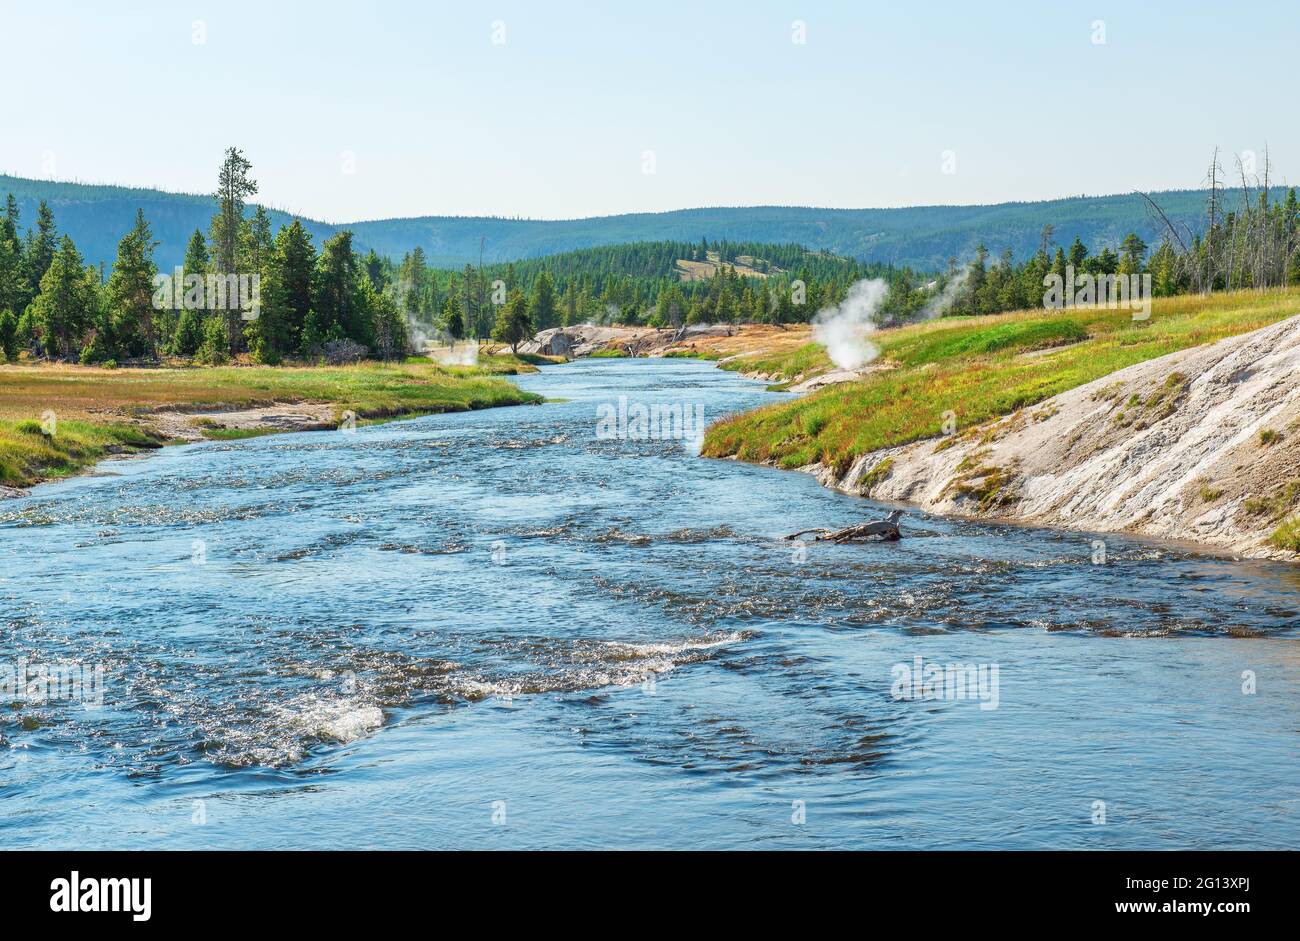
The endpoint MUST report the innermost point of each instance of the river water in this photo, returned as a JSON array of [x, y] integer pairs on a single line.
[[502, 629]]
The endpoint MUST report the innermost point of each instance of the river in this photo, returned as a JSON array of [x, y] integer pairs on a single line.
[[501, 629]]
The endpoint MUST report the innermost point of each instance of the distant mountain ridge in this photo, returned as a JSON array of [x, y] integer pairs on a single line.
[[923, 237]]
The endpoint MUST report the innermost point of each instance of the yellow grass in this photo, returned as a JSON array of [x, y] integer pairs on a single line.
[[703, 270], [93, 412]]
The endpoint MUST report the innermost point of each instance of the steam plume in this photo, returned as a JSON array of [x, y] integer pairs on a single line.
[[843, 328]]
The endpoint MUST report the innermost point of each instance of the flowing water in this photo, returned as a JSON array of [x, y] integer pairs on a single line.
[[499, 629]]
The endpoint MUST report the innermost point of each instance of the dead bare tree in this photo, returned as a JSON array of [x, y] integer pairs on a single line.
[[1213, 174]]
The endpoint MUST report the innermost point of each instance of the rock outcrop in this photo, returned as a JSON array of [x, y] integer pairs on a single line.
[[1200, 445]]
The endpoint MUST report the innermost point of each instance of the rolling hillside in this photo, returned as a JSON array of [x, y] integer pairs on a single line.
[[923, 237]]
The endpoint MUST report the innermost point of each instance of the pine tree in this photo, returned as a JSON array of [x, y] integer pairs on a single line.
[[196, 264], [8, 336], [475, 302], [14, 290], [99, 343], [9, 224], [62, 308], [335, 291], [130, 292], [234, 186], [387, 323], [188, 336], [725, 311], [452, 319], [214, 350], [296, 258], [977, 279], [255, 242], [412, 277], [1132, 251], [1078, 253], [569, 306], [13, 281], [268, 337], [513, 325], [39, 250], [542, 309], [373, 266]]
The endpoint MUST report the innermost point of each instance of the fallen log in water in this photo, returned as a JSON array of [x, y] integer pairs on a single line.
[[886, 529]]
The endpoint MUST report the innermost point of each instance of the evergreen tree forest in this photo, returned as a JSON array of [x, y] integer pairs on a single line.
[[328, 301], [1251, 240]]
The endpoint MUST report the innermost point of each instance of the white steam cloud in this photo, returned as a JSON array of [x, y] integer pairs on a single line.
[[843, 328], [939, 304], [439, 346], [464, 353]]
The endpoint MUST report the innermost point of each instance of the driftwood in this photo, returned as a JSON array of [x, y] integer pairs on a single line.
[[886, 529]]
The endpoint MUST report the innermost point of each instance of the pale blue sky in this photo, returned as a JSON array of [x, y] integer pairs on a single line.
[[555, 122]]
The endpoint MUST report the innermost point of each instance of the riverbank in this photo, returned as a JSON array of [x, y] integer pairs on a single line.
[[451, 600], [758, 351], [1084, 419], [57, 420]]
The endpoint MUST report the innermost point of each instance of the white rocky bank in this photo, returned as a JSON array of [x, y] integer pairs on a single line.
[[1169, 448]]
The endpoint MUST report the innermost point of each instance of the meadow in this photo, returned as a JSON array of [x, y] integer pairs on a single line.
[[57, 419], [969, 370]]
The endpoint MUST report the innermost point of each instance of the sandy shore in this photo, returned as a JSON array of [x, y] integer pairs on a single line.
[[299, 416]]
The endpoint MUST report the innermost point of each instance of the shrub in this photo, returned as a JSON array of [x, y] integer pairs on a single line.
[[874, 476], [29, 426], [1287, 536], [343, 352]]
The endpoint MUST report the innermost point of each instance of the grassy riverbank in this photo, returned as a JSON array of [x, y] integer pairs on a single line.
[[96, 412], [976, 368]]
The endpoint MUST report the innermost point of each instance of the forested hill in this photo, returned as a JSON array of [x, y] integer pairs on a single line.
[[98, 216], [922, 237]]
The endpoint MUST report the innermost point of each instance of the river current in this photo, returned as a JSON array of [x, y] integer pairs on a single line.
[[513, 629]]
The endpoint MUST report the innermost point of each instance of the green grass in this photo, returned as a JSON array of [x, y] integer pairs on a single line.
[[1276, 503], [92, 406], [977, 368], [27, 455], [709, 355], [538, 359], [607, 354], [1268, 436], [1018, 335], [874, 476], [1287, 536], [785, 365]]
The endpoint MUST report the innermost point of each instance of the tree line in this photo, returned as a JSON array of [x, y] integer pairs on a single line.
[[309, 302], [1251, 239], [640, 283], [335, 303]]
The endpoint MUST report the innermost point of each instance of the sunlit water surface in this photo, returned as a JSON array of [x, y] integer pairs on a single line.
[[494, 630]]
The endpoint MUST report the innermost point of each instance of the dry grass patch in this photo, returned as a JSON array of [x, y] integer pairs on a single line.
[[99, 411]]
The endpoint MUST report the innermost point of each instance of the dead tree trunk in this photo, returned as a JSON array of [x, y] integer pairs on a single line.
[[872, 530]]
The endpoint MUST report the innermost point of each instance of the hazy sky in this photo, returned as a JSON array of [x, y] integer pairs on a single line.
[[368, 110]]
